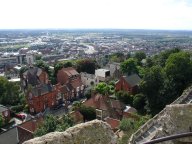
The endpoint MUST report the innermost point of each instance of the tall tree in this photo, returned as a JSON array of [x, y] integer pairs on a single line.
[[86, 65], [129, 66], [151, 86], [9, 92], [102, 88], [139, 56]]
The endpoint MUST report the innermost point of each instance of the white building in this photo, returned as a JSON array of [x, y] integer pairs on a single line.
[[88, 79], [102, 75]]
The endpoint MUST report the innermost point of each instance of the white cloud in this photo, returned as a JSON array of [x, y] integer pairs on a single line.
[[150, 14]]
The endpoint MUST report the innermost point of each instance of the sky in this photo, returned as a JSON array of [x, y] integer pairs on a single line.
[[88, 14]]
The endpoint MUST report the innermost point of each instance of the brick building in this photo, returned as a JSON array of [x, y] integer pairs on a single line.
[[128, 83], [40, 94], [26, 130], [70, 79]]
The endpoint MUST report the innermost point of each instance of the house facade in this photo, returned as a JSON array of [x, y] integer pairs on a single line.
[[71, 80], [102, 75], [128, 83], [105, 107], [40, 93]]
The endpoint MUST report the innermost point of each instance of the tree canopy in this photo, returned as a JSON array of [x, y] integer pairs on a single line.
[[9, 92], [86, 65], [51, 124], [1, 120], [129, 66]]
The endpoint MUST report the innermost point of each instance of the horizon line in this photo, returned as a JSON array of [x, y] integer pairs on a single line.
[[12, 29]]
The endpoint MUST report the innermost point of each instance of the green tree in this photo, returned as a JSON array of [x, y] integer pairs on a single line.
[[86, 65], [41, 64], [1, 120], [129, 66], [152, 84], [139, 102], [127, 125], [88, 113], [102, 88], [51, 124], [117, 57], [178, 75], [124, 97], [163, 56], [178, 68], [139, 56], [76, 105], [9, 92]]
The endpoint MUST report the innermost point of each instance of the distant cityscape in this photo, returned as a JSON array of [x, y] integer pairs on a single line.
[[67, 77]]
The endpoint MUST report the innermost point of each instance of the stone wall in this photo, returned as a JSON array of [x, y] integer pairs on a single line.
[[157, 117], [93, 132], [176, 120]]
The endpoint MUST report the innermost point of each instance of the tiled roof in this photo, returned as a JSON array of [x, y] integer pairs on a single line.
[[97, 101], [44, 88], [31, 125], [76, 83], [70, 71], [9, 137], [114, 123], [132, 80], [32, 75], [64, 89]]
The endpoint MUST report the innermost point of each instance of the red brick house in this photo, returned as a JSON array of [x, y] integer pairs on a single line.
[[105, 107], [71, 79], [40, 94], [41, 98], [128, 83], [66, 75], [26, 130]]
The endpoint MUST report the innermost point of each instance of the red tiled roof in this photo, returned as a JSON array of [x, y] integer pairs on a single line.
[[32, 124], [70, 71], [64, 89], [114, 123], [76, 83], [96, 101]]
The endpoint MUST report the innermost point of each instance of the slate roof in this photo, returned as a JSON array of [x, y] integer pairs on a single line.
[[32, 75], [132, 80], [9, 137], [44, 88], [70, 71]]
